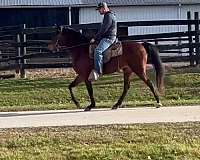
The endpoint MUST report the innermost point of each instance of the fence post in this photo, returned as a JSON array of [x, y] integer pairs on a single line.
[[17, 54], [24, 48], [190, 39], [196, 17], [21, 52]]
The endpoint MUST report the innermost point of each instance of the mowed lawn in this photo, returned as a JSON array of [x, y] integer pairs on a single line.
[[182, 87], [163, 141]]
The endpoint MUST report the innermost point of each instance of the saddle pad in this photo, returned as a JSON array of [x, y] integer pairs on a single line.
[[113, 51]]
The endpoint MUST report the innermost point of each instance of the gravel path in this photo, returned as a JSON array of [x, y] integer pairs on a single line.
[[99, 116]]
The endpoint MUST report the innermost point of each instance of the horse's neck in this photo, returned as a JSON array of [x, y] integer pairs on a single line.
[[80, 46], [78, 39], [80, 52]]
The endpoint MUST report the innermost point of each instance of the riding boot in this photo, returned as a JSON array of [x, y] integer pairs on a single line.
[[94, 75]]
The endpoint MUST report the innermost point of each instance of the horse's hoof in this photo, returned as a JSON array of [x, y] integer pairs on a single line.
[[159, 105], [115, 107], [87, 109], [78, 106]]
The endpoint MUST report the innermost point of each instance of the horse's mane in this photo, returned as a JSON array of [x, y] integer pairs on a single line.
[[77, 35]]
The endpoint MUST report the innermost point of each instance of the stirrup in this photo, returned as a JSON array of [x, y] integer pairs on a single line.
[[93, 76]]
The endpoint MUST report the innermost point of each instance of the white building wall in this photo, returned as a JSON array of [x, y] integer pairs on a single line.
[[185, 9], [148, 13], [136, 13], [89, 15], [143, 13]]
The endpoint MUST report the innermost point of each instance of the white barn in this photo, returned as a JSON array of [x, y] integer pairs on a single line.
[[145, 10], [49, 12]]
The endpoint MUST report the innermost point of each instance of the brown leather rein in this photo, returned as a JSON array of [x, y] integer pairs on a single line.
[[58, 46]]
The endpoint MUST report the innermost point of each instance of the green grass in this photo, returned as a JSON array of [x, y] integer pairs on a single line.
[[167, 141], [162, 141], [182, 88]]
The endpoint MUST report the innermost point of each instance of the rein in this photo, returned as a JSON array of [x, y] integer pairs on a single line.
[[68, 48]]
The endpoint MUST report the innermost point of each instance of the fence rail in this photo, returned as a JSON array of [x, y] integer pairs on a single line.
[[20, 45]]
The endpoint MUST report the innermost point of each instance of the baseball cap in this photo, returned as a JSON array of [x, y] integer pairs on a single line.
[[101, 5]]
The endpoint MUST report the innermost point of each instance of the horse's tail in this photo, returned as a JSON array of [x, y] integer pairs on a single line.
[[153, 56]]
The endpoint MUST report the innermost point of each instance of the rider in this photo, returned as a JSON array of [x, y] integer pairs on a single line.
[[105, 37]]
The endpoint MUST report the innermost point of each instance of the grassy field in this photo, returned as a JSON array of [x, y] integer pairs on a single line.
[[162, 141], [182, 88], [171, 141]]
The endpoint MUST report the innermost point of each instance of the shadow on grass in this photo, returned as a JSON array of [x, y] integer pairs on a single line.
[[27, 85], [18, 114], [182, 70]]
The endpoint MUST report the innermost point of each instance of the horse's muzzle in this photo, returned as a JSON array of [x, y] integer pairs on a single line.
[[52, 48]]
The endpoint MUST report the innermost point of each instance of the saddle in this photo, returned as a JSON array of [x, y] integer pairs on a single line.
[[113, 51]]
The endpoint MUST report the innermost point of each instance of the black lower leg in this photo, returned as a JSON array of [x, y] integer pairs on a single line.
[[72, 85], [126, 88], [154, 91], [90, 92]]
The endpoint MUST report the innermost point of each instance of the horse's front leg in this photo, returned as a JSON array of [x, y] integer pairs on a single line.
[[90, 92], [76, 81]]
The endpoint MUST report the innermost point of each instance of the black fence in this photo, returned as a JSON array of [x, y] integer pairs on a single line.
[[26, 48]]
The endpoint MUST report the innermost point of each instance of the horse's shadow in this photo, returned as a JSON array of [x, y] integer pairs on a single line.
[[18, 114]]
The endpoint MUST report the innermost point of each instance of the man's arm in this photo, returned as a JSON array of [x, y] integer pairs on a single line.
[[107, 22]]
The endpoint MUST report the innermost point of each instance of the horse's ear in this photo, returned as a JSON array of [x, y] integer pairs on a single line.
[[63, 29], [58, 28]]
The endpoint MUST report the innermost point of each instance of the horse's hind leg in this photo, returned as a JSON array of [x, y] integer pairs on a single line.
[[127, 74], [90, 92], [76, 81], [149, 83]]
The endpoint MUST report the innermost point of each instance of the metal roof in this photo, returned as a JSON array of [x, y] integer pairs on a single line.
[[12, 3]]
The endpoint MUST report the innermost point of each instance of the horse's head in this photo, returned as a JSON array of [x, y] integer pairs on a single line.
[[60, 40], [66, 38]]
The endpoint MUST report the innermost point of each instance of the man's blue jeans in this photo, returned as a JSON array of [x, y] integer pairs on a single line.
[[104, 44]]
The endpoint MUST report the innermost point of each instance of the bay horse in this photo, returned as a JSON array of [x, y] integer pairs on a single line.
[[133, 60]]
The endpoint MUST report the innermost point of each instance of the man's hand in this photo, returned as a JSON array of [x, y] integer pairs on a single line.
[[92, 40]]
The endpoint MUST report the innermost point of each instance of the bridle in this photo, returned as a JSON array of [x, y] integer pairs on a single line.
[[58, 46], [61, 47]]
